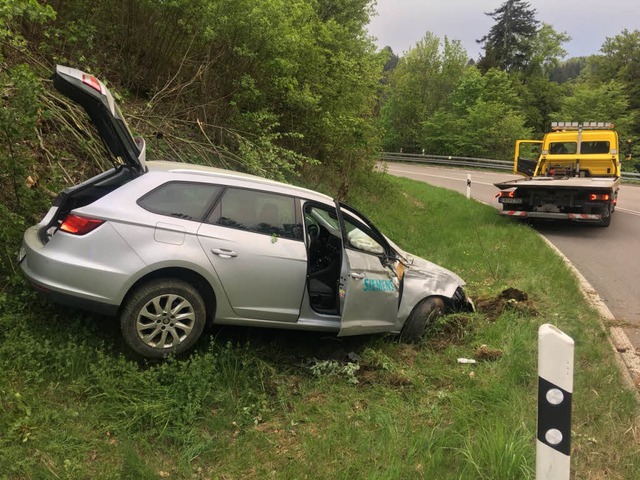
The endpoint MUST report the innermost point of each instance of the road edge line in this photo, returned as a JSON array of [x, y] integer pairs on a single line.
[[626, 359]]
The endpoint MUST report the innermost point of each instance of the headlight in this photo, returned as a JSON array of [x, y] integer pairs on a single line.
[[461, 302]]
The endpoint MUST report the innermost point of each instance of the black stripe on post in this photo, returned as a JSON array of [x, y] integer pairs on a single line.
[[554, 415]]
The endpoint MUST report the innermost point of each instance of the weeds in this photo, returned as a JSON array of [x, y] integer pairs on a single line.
[[333, 368]]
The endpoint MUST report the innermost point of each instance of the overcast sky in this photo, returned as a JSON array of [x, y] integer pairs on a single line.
[[402, 23]]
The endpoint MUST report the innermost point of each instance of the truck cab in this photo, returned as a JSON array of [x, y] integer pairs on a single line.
[[571, 149]]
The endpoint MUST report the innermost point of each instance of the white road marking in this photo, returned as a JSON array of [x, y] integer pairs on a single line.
[[624, 210], [439, 176]]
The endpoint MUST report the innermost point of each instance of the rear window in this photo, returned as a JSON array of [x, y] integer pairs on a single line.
[[594, 147], [187, 200], [559, 148]]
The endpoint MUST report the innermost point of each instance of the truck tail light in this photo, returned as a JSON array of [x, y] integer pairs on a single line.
[[77, 225], [510, 194], [599, 197]]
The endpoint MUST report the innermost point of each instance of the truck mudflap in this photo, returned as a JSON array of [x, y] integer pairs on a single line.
[[578, 217]]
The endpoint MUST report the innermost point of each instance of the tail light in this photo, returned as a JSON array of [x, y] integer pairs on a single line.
[[599, 197], [92, 81], [78, 225], [510, 194]]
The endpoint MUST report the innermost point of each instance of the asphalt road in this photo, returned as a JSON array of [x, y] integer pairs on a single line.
[[609, 258]]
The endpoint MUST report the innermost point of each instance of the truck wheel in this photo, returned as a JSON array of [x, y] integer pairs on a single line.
[[423, 315], [162, 317], [605, 220]]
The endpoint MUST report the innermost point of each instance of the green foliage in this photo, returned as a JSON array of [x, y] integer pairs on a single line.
[[619, 61], [333, 368], [20, 114], [568, 70], [546, 50], [599, 102], [420, 86], [540, 99], [16, 15], [273, 87], [484, 120]]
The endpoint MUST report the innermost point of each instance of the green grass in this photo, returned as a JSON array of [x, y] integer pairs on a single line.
[[246, 404]]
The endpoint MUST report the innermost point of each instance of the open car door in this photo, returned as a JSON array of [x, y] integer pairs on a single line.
[[370, 288], [526, 157]]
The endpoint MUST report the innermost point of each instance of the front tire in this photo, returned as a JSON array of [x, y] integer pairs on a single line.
[[423, 315], [163, 317]]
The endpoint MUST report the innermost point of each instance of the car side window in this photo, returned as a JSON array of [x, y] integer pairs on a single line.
[[259, 212], [187, 200]]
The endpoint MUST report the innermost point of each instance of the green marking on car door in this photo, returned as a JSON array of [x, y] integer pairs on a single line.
[[378, 285]]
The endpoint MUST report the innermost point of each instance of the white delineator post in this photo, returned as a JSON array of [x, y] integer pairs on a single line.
[[555, 389], [468, 185]]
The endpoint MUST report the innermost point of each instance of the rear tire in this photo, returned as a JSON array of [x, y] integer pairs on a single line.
[[163, 317], [423, 315], [605, 220]]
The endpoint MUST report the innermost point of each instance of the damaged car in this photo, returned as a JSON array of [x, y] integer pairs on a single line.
[[170, 247]]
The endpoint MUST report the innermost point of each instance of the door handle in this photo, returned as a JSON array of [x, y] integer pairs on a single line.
[[224, 253], [358, 276]]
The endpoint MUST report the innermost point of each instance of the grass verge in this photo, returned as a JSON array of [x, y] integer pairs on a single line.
[[255, 403]]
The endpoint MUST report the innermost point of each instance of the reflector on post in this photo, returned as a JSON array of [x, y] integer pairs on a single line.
[[555, 390]]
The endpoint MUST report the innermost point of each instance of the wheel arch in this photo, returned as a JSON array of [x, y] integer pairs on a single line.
[[194, 279]]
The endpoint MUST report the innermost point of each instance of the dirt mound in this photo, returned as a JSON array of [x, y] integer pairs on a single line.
[[487, 354], [510, 299]]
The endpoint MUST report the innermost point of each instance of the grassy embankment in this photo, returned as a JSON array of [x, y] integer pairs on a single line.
[[251, 403]]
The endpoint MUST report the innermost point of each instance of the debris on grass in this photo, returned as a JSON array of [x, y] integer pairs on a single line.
[[466, 360], [510, 299]]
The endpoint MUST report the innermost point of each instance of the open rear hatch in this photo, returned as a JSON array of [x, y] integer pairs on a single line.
[[91, 94], [128, 153]]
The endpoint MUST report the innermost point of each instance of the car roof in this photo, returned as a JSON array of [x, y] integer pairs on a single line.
[[238, 178]]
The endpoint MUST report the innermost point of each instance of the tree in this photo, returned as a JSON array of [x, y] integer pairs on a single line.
[[619, 61], [599, 102], [546, 50], [568, 70], [419, 86], [484, 121], [391, 58], [508, 45]]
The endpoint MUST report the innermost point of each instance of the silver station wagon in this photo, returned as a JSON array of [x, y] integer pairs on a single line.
[[168, 247]]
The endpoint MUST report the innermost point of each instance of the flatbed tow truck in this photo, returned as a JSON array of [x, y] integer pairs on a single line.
[[576, 175]]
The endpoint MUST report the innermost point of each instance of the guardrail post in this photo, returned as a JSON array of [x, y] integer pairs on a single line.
[[555, 389]]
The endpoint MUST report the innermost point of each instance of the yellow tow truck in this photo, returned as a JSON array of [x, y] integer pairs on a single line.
[[573, 173]]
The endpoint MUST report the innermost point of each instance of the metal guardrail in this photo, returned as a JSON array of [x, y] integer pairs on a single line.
[[452, 161]]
